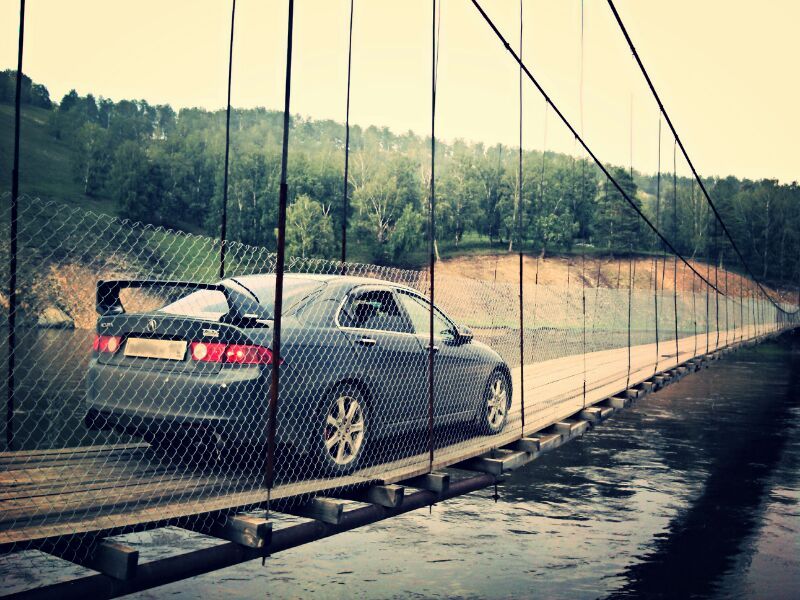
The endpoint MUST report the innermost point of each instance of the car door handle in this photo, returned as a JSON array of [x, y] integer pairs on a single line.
[[434, 348], [366, 341]]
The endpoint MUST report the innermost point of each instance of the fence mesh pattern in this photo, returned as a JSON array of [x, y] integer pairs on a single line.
[[157, 408]]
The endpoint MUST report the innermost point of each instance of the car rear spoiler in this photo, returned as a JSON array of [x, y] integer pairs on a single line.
[[108, 301]]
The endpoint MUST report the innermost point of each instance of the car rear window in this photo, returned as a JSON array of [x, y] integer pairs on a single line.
[[295, 290], [211, 304], [202, 304]]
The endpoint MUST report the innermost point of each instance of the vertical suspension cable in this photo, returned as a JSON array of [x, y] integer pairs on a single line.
[[12, 240], [345, 185], [596, 301], [631, 282], [741, 310], [708, 288], [280, 259], [521, 347], [519, 176], [223, 234], [583, 304], [727, 324], [675, 237], [694, 314], [716, 283], [519, 241], [544, 154], [432, 229], [655, 257]]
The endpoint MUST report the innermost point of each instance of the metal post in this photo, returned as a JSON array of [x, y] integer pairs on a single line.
[[281, 258], [12, 249], [224, 225], [347, 143]]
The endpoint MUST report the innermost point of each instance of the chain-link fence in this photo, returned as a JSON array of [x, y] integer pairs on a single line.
[[142, 379]]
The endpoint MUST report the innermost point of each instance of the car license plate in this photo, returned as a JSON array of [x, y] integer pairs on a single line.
[[147, 348]]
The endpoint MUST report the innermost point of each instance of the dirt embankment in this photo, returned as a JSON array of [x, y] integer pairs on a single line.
[[63, 294], [603, 272]]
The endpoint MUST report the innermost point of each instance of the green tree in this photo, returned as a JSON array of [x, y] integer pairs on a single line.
[[309, 229], [617, 225]]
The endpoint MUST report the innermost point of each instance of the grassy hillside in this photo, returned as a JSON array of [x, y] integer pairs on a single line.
[[45, 163]]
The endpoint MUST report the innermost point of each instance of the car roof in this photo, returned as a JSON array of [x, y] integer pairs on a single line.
[[331, 277]]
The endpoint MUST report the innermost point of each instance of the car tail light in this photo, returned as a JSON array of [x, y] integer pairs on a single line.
[[107, 344], [208, 352], [240, 354]]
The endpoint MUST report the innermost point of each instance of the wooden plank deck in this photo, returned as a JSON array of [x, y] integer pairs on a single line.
[[50, 493]]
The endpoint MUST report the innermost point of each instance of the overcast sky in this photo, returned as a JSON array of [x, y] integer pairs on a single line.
[[726, 69]]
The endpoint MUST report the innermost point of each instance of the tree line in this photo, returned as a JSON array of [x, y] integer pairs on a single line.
[[165, 167]]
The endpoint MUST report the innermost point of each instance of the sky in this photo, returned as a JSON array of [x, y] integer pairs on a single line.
[[725, 69]]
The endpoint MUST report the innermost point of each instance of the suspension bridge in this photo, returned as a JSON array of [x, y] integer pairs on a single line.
[[574, 355]]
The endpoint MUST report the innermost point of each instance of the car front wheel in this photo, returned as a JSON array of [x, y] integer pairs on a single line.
[[497, 401]]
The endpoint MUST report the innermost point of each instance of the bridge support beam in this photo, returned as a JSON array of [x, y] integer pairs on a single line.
[[110, 558], [249, 531]]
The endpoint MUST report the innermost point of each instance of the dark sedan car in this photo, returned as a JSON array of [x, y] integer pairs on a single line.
[[354, 368]]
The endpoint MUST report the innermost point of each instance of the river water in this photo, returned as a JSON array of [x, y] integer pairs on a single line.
[[693, 493]]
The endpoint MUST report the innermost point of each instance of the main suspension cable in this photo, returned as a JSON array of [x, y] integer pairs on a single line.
[[581, 141], [689, 161]]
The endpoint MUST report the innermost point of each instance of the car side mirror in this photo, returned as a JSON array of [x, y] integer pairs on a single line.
[[464, 335]]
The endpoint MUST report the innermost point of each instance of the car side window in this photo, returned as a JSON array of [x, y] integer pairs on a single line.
[[418, 311], [373, 309]]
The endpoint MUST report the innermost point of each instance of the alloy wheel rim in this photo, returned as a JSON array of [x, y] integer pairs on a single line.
[[497, 403], [344, 430]]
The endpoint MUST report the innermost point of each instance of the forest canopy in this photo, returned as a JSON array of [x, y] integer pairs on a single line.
[[165, 167]]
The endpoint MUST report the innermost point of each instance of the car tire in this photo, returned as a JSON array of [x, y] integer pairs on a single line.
[[342, 431], [496, 404]]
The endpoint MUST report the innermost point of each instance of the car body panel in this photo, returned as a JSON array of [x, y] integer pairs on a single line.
[[319, 353]]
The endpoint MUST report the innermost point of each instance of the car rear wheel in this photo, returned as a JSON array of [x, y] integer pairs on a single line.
[[496, 403], [343, 431]]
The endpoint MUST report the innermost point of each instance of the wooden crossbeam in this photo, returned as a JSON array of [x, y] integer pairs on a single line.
[[437, 481], [593, 414], [618, 402], [502, 462], [389, 496], [550, 441], [327, 510], [246, 530], [571, 428], [531, 445], [105, 556]]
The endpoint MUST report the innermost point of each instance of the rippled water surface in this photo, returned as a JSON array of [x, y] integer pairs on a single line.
[[694, 493]]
